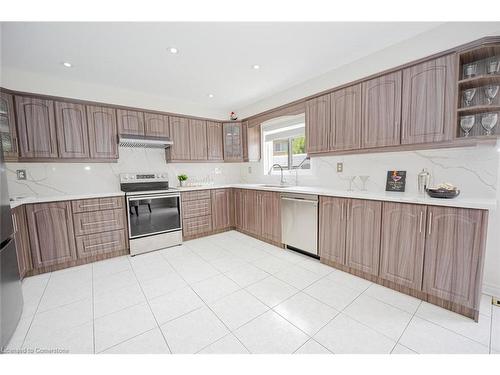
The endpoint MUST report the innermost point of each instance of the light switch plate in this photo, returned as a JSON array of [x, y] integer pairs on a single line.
[[340, 167], [21, 174]]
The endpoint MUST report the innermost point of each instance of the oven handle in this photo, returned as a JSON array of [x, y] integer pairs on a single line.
[[156, 196]]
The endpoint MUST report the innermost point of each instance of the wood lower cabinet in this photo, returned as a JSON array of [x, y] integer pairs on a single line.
[[222, 210], [96, 204], [36, 127], [179, 133], [92, 245], [98, 221], [72, 130], [215, 149], [381, 125], [103, 132], [8, 132], [21, 237], [238, 208], [270, 215], [402, 243], [332, 228], [429, 101], [51, 233], [198, 207], [363, 235], [345, 127], [198, 140], [252, 212], [130, 122], [317, 132], [454, 254], [156, 125]]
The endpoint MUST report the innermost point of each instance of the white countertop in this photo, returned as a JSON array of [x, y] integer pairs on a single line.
[[63, 197]]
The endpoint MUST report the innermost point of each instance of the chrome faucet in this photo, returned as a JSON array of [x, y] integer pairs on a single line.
[[282, 180]]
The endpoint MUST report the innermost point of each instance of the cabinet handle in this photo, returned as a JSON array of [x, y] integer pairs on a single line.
[[420, 222], [348, 214], [342, 212], [430, 223], [100, 222], [14, 221], [97, 204], [102, 244]]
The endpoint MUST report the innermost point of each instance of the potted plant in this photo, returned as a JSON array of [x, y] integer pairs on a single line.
[[182, 178]]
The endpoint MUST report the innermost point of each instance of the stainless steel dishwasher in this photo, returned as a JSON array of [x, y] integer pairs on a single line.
[[299, 222]]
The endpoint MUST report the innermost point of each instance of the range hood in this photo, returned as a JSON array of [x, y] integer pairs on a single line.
[[126, 140]]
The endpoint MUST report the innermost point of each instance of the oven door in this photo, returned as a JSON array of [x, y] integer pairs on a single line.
[[153, 214]]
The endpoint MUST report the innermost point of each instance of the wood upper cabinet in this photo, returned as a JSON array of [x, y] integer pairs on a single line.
[[51, 233], [363, 235], [253, 143], [270, 215], [21, 237], [72, 130], [317, 130], [198, 139], [233, 141], [8, 131], [402, 243], [454, 251], [156, 125], [429, 101], [130, 122], [103, 133], [37, 127], [332, 228], [346, 119], [222, 212], [179, 133], [214, 141], [382, 111]]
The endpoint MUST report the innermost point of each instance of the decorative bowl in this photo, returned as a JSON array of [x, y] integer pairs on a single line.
[[443, 193]]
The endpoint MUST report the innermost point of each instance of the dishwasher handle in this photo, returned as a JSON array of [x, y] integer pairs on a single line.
[[299, 200]]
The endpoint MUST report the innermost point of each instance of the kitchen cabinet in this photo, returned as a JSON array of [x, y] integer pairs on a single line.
[[72, 130], [196, 213], [222, 211], [130, 122], [93, 245], [402, 243], [270, 215], [238, 208], [381, 112], [103, 133], [98, 221], [332, 229], [363, 235], [96, 204], [215, 149], [317, 129], [429, 101], [51, 233], [252, 143], [36, 127], [179, 133], [21, 237], [156, 125], [198, 139], [345, 112], [233, 141], [252, 212], [454, 251], [8, 132]]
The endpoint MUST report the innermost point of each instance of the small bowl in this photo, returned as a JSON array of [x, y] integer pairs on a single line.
[[443, 193]]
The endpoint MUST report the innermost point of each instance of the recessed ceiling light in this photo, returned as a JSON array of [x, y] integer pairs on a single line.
[[173, 50], [67, 64], [210, 95], [256, 66]]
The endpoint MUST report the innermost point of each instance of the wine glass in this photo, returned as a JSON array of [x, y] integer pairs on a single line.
[[469, 96], [491, 92], [493, 65], [351, 181], [467, 123], [470, 70], [364, 180], [489, 121]]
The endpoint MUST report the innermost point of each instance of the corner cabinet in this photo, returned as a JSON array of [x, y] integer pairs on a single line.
[[233, 141], [8, 132], [429, 101], [317, 130], [103, 132]]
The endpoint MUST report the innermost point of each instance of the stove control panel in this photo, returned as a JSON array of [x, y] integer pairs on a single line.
[[143, 177]]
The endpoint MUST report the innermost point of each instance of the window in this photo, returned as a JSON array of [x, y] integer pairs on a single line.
[[284, 144]]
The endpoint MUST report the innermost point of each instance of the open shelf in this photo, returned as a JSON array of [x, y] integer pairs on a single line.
[[479, 81], [478, 109]]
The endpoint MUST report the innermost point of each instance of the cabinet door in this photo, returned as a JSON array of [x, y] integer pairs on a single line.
[[51, 233], [198, 139], [21, 237], [72, 130], [253, 142], [251, 212], [270, 211], [429, 104], [179, 133], [37, 127], [103, 134], [402, 243], [382, 111], [332, 228], [156, 125], [233, 141], [346, 119], [454, 251], [8, 131], [214, 141], [130, 122], [363, 235], [318, 124], [221, 209], [238, 208]]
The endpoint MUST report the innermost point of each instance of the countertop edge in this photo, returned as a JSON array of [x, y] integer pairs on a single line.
[[61, 198]]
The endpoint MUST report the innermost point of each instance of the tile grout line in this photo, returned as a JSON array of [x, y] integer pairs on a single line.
[[404, 330]]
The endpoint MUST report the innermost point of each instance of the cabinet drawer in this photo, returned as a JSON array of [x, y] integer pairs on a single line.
[[197, 225], [97, 204], [196, 208], [100, 243], [195, 195], [98, 221]]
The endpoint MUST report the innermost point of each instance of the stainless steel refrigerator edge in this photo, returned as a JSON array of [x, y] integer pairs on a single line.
[[11, 297]]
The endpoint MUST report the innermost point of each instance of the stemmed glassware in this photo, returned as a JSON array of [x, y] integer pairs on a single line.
[[491, 92], [467, 123], [489, 121], [493, 65], [469, 96], [470, 70], [351, 181], [364, 180]]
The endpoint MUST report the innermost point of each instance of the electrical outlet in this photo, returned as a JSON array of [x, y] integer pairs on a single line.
[[340, 167], [495, 301], [249, 170], [21, 174]]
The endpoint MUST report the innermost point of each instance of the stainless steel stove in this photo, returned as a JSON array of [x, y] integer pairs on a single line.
[[154, 211]]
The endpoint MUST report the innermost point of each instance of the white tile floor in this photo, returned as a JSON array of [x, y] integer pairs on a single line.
[[230, 293]]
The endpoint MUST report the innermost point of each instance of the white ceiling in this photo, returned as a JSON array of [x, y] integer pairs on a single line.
[[213, 58]]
